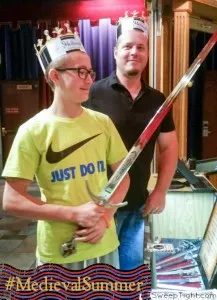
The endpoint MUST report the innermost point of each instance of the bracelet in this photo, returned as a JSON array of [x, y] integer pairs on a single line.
[[107, 223]]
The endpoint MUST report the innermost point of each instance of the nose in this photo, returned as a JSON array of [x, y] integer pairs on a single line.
[[134, 50], [89, 78]]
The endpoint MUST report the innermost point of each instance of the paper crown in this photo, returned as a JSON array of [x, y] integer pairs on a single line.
[[58, 46], [134, 22]]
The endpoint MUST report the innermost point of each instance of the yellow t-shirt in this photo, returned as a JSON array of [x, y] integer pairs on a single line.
[[62, 153]]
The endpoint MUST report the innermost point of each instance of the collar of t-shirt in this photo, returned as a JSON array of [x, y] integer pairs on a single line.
[[116, 84]]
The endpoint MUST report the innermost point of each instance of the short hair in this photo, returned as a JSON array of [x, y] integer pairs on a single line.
[[58, 63]]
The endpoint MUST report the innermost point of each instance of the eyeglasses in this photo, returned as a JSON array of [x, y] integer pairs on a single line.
[[82, 72]]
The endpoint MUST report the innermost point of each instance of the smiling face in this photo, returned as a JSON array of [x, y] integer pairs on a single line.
[[131, 53], [68, 83]]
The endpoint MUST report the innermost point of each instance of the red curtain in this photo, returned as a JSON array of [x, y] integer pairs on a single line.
[[75, 10]]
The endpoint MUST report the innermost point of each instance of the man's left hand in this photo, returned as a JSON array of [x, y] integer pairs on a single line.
[[155, 203]]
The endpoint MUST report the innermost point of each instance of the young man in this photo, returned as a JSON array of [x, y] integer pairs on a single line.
[[63, 146], [131, 104]]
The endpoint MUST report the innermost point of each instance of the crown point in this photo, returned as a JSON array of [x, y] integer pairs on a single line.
[[76, 30], [67, 25], [46, 33], [39, 44], [57, 30], [134, 13], [36, 50]]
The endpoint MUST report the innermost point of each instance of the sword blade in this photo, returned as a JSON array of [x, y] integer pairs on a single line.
[[183, 272], [180, 281], [176, 260], [147, 133], [178, 255], [186, 264]]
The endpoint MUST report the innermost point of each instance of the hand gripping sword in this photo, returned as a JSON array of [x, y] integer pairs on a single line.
[[105, 195]]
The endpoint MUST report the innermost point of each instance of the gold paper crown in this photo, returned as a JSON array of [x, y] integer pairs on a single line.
[[134, 22], [58, 46]]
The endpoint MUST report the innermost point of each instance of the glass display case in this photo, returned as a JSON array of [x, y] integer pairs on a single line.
[[183, 239], [208, 167]]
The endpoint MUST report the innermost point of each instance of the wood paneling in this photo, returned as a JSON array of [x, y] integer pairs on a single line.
[[212, 3], [203, 10], [185, 216], [166, 57], [199, 24], [182, 10], [212, 178]]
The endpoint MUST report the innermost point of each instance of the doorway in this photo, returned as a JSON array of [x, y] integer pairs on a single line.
[[202, 101], [19, 102], [209, 117]]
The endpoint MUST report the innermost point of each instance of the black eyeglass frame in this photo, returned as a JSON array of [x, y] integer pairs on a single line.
[[81, 75]]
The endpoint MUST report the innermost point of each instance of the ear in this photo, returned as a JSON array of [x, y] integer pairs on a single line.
[[115, 52], [54, 75]]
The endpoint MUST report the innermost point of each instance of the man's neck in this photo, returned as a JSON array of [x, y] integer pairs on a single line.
[[131, 83]]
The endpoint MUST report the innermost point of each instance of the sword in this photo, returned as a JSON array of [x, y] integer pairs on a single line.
[[183, 265], [180, 280], [168, 277], [184, 287], [188, 255], [105, 195], [187, 245], [182, 272], [181, 255]]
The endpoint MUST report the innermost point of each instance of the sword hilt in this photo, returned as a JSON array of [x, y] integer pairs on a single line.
[[99, 200], [69, 247]]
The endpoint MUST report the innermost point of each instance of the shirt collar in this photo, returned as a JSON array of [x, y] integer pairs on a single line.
[[114, 81]]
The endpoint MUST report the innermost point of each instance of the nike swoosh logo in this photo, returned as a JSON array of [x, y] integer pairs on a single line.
[[53, 157]]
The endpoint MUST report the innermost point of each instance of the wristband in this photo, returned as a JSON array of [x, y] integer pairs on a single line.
[[107, 223]]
